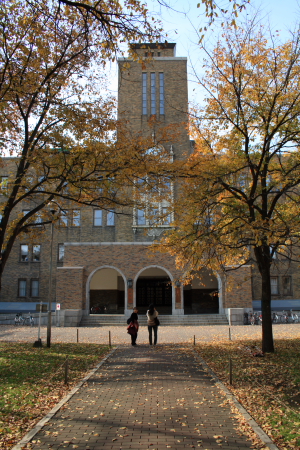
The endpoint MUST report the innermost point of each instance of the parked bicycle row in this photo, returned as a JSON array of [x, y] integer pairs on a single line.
[[255, 318], [24, 320]]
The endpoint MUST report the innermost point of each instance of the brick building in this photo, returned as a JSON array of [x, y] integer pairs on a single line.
[[101, 260]]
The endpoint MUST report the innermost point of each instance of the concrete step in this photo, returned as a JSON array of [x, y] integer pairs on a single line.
[[185, 320]]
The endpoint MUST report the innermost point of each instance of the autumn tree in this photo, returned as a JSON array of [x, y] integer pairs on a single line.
[[240, 195], [58, 124]]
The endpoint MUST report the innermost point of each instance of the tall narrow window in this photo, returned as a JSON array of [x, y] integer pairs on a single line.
[[75, 218], [97, 217], [161, 94], [24, 253], [36, 253], [286, 285], [22, 285], [110, 218], [153, 93], [61, 252], [141, 218], [34, 288], [144, 93], [274, 286]]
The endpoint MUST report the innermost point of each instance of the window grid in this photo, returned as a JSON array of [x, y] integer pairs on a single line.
[[61, 252], [36, 253], [110, 219], [144, 93], [153, 93], [24, 253], [161, 94], [274, 286], [287, 285], [97, 217], [22, 288], [34, 288]]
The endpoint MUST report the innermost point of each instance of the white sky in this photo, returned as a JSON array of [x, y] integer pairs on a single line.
[[181, 27]]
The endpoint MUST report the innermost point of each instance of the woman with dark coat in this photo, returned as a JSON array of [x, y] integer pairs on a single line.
[[133, 326], [152, 325]]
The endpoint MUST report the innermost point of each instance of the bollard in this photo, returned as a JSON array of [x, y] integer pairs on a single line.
[[109, 339], [194, 340], [66, 370], [77, 335], [230, 371]]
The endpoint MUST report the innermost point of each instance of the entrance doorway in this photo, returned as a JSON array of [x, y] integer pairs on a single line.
[[107, 292], [201, 296], [154, 286]]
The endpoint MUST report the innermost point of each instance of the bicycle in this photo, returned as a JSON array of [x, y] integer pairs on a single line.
[[275, 317], [294, 317], [29, 320], [19, 319]]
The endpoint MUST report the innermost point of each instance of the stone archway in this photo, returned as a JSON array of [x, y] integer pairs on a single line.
[[154, 285], [201, 296], [106, 291]]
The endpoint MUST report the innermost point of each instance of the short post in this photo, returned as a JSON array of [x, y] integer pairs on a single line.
[[229, 334], [230, 371], [194, 340], [109, 339], [77, 335], [66, 370]]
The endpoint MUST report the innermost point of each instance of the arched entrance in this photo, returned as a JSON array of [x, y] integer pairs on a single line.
[[154, 286], [201, 296], [107, 292]]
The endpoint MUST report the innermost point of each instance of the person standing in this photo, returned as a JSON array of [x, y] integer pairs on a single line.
[[152, 323], [133, 326]]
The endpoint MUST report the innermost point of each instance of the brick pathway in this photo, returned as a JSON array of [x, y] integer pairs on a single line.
[[145, 398]]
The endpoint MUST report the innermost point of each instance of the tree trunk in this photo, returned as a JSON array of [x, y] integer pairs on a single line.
[[267, 329], [264, 261]]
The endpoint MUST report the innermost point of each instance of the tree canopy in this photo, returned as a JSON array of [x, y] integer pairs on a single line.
[[58, 125], [239, 200]]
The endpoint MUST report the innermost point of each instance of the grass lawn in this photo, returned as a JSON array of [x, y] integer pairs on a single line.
[[32, 382], [268, 387]]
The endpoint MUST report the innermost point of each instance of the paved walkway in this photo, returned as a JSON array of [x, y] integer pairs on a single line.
[[145, 398]]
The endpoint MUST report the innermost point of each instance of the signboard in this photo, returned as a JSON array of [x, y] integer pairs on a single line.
[[57, 306]]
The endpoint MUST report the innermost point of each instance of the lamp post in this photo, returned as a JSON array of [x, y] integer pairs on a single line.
[[50, 285]]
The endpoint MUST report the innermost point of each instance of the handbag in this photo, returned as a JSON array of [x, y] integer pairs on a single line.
[[157, 322], [131, 329]]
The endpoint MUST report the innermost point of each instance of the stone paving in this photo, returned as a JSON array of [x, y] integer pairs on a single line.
[[169, 334], [145, 397]]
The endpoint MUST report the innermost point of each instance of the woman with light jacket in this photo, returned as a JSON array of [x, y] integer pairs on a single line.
[[152, 323]]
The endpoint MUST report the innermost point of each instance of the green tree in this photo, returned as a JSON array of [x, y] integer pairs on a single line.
[[240, 195]]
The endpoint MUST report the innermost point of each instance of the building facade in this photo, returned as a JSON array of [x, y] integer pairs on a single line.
[[101, 261]]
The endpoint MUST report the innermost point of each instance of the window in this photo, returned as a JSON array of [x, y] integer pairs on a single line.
[[3, 182], [34, 288], [24, 253], [75, 218], [274, 286], [141, 218], [161, 94], [144, 94], [166, 219], [97, 217], [60, 253], [287, 285], [70, 218], [36, 253], [110, 219], [153, 93], [63, 220], [22, 287]]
